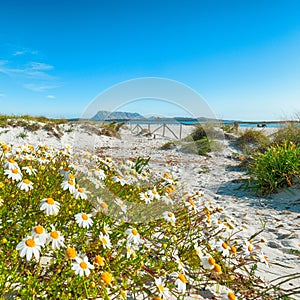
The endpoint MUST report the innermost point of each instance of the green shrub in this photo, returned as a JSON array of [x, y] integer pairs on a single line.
[[252, 139], [276, 168], [289, 133], [201, 147]]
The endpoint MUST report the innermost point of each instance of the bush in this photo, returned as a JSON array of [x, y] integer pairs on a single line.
[[252, 139], [289, 133], [276, 168]]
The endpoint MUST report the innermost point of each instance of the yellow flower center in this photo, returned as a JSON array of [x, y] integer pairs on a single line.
[[233, 249], [26, 181], [83, 265], [80, 190], [30, 243], [15, 171], [54, 235], [218, 268], [71, 253], [104, 241], [211, 261], [134, 231], [106, 277], [231, 296], [154, 192], [50, 201], [224, 245], [161, 288], [39, 229], [192, 202], [71, 176], [167, 175], [99, 260], [70, 182], [84, 217], [12, 161], [182, 278], [250, 248], [103, 205], [170, 215]]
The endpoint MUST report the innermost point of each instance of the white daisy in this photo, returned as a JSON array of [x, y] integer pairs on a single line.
[[50, 206], [68, 185], [163, 291], [43, 160], [181, 283], [105, 240], [29, 170], [208, 262], [153, 194], [167, 199], [84, 220], [133, 236], [81, 193], [30, 246], [14, 174], [100, 173], [169, 217], [10, 164], [56, 238], [145, 197], [40, 232], [82, 266], [222, 247], [25, 185]]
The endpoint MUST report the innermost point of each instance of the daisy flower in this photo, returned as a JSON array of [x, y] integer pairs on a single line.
[[10, 164], [105, 240], [263, 258], [163, 291], [68, 185], [208, 262], [29, 170], [30, 246], [82, 267], [84, 220], [50, 206], [181, 283], [153, 194], [222, 247], [169, 217], [43, 160], [56, 238], [14, 174], [81, 193], [248, 247], [120, 179], [180, 264], [167, 199], [100, 173], [40, 232], [133, 236], [106, 229], [226, 294], [25, 185], [145, 197]]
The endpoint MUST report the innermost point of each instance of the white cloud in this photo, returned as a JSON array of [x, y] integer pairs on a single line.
[[51, 97], [24, 51], [33, 75], [39, 87], [39, 66]]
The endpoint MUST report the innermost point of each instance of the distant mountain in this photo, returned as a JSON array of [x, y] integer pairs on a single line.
[[107, 115]]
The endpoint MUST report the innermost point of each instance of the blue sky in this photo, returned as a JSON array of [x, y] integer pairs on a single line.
[[242, 57]]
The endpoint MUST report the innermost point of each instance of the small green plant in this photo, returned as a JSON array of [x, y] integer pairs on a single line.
[[252, 139], [22, 135], [276, 168], [289, 133], [140, 164]]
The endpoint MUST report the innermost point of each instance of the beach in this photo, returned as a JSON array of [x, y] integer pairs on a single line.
[[217, 175]]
